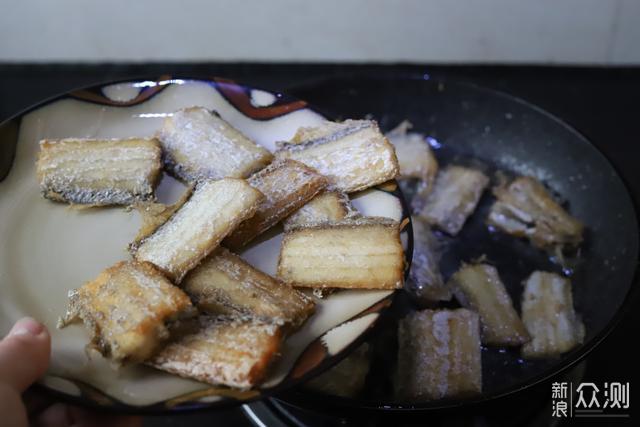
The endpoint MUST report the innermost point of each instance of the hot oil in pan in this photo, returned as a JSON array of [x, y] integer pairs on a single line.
[[515, 260]]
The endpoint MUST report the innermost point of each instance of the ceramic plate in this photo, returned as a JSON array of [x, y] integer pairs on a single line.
[[48, 248]]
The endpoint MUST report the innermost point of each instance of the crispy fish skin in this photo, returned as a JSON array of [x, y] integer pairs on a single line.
[[426, 283], [415, 156], [213, 211], [454, 197], [223, 351], [99, 172], [287, 185], [347, 378], [549, 316], [328, 206], [524, 208], [353, 154], [479, 288], [225, 284], [198, 144], [127, 308], [439, 355], [363, 253]]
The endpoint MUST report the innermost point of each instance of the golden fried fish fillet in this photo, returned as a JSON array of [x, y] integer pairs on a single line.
[[548, 315], [129, 309], [439, 355], [223, 351], [328, 206], [224, 283], [526, 209], [454, 197], [415, 156], [154, 214], [479, 288], [99, 172], [361, 253], [198, 144], [353, 154], [287, 185], [213, 211]]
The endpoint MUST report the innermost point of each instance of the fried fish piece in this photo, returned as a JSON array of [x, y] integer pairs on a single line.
[[99, 172], [212, 212], [235, 352], [198, 144], [524, 208], [328, 206], [129, 309], [415, 156], [225, 284], [479, 288], [439, 355], [454, 197], [347, 378], [548, 315], [353, 154], [155, 214], [363, 253], [287, 186], [425, 280]]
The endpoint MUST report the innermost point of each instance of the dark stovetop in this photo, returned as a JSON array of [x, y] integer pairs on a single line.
[[602, 103]]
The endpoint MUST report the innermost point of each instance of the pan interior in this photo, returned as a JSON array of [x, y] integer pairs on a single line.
[[469, 125]]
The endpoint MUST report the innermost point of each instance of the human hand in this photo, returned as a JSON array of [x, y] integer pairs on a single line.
[[24, 357]]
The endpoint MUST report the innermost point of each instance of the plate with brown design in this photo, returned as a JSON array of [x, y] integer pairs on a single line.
[[48, 248]]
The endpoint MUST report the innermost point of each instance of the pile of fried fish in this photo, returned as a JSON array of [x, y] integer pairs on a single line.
[[186, 302]]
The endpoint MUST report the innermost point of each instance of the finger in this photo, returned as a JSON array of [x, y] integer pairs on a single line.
[[24, 354], [12, 412]]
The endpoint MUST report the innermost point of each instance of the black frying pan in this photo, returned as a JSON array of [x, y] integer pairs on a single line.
[[498, 132]]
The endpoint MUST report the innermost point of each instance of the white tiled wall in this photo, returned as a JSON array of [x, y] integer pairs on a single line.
[[511, 31]]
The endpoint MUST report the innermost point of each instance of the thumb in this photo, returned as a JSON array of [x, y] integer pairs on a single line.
[[24, 354]]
